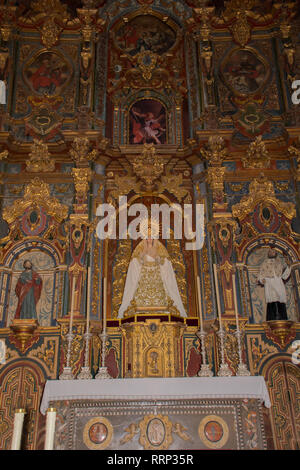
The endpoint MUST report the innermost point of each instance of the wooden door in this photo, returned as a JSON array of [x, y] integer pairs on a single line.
[[284, 388]]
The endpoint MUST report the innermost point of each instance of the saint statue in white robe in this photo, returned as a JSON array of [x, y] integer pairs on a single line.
[[151, 284], [271, 275]]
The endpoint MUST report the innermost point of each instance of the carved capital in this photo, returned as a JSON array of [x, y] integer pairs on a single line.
[[81, 153], [82, 178], [214, 151]]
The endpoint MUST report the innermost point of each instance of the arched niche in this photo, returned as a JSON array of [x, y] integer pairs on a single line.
[[147, 122], [123, 251], [46, 262], [252, 293]]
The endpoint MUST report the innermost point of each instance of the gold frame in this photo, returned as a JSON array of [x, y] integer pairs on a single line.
[[144, 440], [258, 56], [207, 442], [86, 439], [38, 54]]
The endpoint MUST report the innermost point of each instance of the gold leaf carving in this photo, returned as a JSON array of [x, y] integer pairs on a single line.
[[37, 194], [262, 189], [40, 159]]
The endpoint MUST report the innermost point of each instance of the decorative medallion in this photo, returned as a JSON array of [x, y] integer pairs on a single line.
[[213, 432], [47, 73], [156, 432], [145, 33], [244, 71], [97, 433]]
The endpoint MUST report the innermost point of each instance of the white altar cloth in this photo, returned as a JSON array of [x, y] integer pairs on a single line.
[[156, 388]]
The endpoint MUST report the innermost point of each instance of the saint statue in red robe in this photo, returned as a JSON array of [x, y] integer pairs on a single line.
[[28, 290]]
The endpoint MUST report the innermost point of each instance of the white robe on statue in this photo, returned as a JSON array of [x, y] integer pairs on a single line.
[[272, 272], [2, 92], [168, 279]]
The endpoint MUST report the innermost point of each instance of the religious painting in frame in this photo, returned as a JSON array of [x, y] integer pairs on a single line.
[[245, 71], [42, 265], [145, 33], [147, 122], [98, 433], [156, 432], [213, 432], [47, 73]]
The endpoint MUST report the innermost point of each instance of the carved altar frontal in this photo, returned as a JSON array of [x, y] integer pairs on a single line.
[[159, 424], [158, 414]]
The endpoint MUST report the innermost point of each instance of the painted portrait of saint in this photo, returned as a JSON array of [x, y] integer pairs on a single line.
[[145, 33], [147, 123], [47, 74], [244, 72]]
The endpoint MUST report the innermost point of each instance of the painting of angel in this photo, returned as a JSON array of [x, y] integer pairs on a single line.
[[147, 123]]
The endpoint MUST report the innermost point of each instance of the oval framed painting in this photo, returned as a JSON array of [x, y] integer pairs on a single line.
[[47, 73], [245, 71]]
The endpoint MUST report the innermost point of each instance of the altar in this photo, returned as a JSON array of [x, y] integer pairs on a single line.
[[157, 414]]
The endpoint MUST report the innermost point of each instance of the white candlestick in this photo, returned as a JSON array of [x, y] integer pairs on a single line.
[[218, 295], [72, 303], [104, 303], [50, 428], [199, 303], [18, 426]]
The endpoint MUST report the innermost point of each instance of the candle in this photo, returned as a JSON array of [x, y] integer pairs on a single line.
[[18, 426], [235, 302], [217, 294], [50, 428], [199, 303], [88, 306], [104, 304], [72, 303]]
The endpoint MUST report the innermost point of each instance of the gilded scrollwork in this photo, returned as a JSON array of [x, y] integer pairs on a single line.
[[82, 178], [148, 166], [49, 17], [215, 151], [155, 432], [257, 155], [80, 151], [36, 194], [40, 158], [262, 190]]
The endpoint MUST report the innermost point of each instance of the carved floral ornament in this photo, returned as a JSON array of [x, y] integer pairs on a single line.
[[82, 178], [145, 174], [40, 158], [37, 194], [215, 151], [50, 18], [257, 156], [148, 166], [261, 189], [81, 151]]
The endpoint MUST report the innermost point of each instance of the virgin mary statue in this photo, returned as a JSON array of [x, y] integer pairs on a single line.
[[151, 283]]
